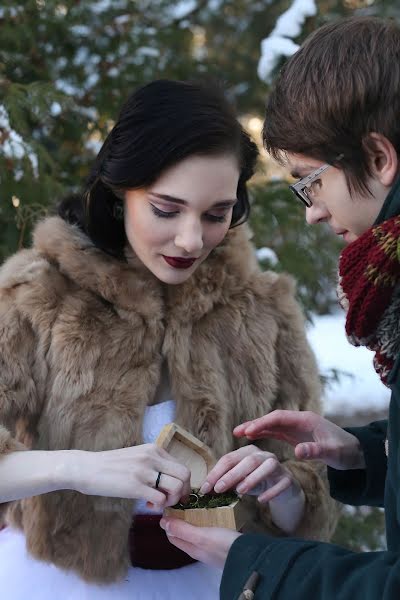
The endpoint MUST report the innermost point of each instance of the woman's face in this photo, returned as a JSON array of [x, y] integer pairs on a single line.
[[173, 225]]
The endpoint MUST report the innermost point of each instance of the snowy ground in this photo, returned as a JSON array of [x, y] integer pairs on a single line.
[[359, 388]]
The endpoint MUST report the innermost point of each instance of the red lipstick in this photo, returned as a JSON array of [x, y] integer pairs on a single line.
[[179, 263]]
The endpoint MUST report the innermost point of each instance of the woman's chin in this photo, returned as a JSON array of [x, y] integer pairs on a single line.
[[171, 276]]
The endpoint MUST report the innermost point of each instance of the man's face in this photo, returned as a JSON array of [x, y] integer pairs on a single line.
[[347, 215]]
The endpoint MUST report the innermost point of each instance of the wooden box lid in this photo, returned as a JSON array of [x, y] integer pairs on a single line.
[[188, 450]]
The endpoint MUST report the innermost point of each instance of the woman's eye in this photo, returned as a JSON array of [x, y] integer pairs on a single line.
[[169, 214], [215, 218], [162, 213]]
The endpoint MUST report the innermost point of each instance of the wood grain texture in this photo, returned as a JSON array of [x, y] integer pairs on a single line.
[[198, 457], [231, 517]]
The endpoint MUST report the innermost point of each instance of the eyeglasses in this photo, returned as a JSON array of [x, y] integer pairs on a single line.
[[301, 188]]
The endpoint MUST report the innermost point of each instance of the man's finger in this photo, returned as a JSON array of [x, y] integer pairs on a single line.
[[224, 465], [239, 429], [274, 491], [181, 529], [280, 419], [309, 451], [187, 547], [273, 434]]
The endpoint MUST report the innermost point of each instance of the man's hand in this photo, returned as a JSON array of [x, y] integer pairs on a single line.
[[250, 470], [209, 545], [312, 437]]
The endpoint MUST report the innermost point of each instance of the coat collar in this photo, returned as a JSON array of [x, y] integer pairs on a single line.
[[124, 285], [391, 206]]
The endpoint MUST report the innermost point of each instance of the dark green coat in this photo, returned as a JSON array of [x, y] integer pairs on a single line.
[[294, 569]]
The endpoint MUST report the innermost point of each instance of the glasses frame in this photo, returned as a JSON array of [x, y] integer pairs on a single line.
[[300, 186]]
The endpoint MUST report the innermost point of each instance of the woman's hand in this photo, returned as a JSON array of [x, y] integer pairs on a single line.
[[210, 545], [130, 473], [250, 470], [312, 437]]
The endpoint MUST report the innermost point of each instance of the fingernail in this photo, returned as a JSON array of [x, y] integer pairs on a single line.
[[220, 486], [165, 525], [241, 488], [205, 488], [306, 451]]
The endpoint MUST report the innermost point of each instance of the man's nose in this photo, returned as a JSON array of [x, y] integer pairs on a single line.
[[316, 214]]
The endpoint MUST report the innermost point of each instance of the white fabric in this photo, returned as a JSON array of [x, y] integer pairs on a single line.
[[24, 578]]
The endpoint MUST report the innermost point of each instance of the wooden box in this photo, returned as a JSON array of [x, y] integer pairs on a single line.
[[198, 457]]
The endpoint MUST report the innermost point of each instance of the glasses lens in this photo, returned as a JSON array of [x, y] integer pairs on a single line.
[[306, 198], [301, 196]]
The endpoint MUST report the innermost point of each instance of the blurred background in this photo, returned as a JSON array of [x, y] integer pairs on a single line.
[[65, 69]]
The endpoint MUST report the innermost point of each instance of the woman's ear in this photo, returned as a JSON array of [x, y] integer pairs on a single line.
[[384, 162]]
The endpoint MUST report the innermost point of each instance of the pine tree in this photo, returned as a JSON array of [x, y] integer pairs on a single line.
[[66, 67]]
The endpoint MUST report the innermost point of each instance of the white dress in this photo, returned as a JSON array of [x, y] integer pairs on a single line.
[[25, 578]]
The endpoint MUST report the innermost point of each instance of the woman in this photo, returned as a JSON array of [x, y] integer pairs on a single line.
[[140, 304]]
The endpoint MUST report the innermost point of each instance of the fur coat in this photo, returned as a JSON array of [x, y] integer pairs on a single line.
[[82, 340]]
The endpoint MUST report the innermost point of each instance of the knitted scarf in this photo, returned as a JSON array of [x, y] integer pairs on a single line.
[[369, 290]]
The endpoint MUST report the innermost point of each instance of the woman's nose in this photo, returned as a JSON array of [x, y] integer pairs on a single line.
[[190, 238]]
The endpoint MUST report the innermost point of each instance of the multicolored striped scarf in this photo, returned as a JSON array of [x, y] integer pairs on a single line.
[[369, 290]]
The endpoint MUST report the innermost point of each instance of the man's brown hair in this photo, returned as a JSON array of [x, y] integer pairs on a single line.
[[342, 84]]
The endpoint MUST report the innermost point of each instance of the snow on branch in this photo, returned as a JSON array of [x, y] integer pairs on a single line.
[[279, 42], [267, 254], [12, 145], [183, 8]]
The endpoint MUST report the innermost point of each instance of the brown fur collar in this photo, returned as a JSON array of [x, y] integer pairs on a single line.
[[224, 272]]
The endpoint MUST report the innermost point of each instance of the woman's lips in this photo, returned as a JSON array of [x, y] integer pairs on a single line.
[[179, 263]]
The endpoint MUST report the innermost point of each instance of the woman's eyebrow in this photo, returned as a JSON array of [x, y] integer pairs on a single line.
[[168, 198]]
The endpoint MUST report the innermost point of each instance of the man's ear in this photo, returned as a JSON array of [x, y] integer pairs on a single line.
[[383, 159]]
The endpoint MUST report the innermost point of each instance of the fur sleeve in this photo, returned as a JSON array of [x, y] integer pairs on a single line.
[[299, 382], [18, 394], [8, 443], [19, 403], [299, 388]]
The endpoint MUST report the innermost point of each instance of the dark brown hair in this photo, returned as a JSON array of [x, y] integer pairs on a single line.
[[342, 84], [161, 124]]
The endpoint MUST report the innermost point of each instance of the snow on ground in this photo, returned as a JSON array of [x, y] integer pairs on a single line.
[[359, 388]]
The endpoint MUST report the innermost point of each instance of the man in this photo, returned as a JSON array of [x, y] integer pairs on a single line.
[[333, 119]]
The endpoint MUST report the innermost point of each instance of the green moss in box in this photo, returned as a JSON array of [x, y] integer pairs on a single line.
[[207, 500]]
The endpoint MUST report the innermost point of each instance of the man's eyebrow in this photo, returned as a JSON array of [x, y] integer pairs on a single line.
[[298, 173], [303, 171], [168, 198]]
